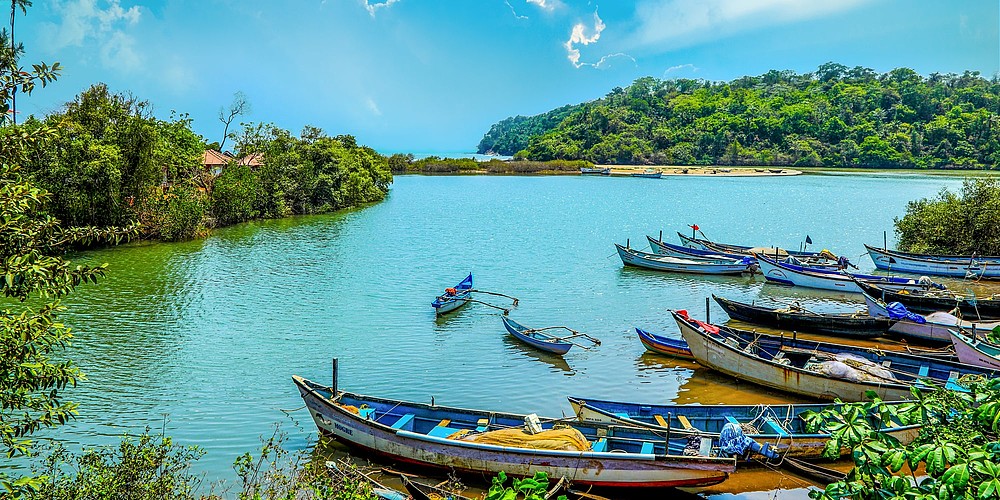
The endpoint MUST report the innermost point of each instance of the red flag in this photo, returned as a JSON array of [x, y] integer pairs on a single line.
[[694, 226]]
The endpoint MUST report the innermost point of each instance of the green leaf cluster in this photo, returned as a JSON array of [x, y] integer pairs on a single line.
[[963, 223], [835, 116], [529, 488]]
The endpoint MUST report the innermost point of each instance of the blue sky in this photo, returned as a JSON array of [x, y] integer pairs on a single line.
[[432, 76]]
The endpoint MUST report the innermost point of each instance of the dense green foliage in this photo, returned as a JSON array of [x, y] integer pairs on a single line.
[[835, 116], [405, 164], [958, 448], [963, 223], [510, 135]]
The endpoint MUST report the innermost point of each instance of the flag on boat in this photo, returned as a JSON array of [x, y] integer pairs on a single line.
[[694, 226], [809, 241]]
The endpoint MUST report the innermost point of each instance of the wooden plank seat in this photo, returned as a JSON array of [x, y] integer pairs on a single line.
[[599, 445], [405, 419], [647, 448]]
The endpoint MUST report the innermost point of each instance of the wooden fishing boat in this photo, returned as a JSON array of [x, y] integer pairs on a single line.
[[648, 174], [797, 318], [659, 344], [933, 327], [818, 370], [704, 244], [962, 266], [538, 339], [975, 350], [453, 298], [781, 426], [929, 301], [632, 257], [421, 491], [486, 442], [669, 249], [826, 279], [594, 171]]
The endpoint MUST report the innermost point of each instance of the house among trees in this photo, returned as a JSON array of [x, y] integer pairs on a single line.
[[215, 161]]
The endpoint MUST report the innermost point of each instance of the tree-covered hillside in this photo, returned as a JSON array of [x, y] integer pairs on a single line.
[[510, 135], [836, 116]]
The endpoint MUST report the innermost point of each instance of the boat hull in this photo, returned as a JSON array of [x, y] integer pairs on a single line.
[[839, 325], [827, 279], [645, 260], [980, 308], [602, 469], [663, 345], [975, 352], [518, 331], [446, 303], [958, 266]]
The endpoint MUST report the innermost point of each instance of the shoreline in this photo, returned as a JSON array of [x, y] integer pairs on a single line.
[[701, 170]]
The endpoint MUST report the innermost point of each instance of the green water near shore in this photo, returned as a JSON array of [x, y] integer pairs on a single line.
[[208, 333]]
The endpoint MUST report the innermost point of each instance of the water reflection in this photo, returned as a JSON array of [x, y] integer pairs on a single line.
[[557, 363]]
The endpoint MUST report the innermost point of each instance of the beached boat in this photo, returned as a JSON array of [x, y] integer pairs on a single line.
[[933, 327], [648, 174], [453, 298], [819, 370], [480, 442], [632, 257], [975, 350], [962, 266], [539, 339], [929, 301], [826, 279], [595, 171], [677, 348], [797, 318], [781, 426]]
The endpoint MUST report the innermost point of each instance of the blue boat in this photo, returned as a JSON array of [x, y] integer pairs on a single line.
[[781, 426], [659, 344], [827, 279], [539, 340], [478, 442], [632, 257], [453, 298]]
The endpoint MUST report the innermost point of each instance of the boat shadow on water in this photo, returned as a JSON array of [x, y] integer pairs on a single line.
[[558, 364], [630, 275]]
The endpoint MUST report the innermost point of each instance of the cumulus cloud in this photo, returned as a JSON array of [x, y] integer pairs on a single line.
[[675, 23], [578, 37], [102, 22], [371, 7]]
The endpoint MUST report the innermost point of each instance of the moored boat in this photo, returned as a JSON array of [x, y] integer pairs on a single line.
[[929, 301], [933, 327], [962, 266], [826, 279], [453, 298], [782, 427], [660, 247], [819, 370], [704, 244], [975, 350], [595, 171], [648, 174], [795, 317], [536, 338], [632, 257], [487, 442], [659, 344]]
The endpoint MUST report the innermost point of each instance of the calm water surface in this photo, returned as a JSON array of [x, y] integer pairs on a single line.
[[208, 333]]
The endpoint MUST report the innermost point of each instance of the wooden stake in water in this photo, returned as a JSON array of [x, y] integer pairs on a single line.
[[333, 386], [708, 312]]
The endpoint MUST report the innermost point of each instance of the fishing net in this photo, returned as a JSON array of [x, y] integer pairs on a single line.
[[853, 368], [565, 438]]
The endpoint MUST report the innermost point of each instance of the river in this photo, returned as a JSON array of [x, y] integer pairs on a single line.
[[201, 338]]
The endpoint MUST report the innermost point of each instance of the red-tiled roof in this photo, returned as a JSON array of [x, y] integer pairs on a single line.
[[213, 157]]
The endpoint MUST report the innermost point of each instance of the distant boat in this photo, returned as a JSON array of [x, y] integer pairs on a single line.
[[595, 171], [659, 344], [539, 339], [851, 325], [484, 442], [631, 257], [961, 266], [649, 174], [453, 298]]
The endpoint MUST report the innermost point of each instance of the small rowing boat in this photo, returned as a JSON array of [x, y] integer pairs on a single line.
[[539, 339], [632, 257], [797, 318], [826, 279], [659, 344], [453, 298], [962, 266], [814, 369], [781, 426], [478, 442]]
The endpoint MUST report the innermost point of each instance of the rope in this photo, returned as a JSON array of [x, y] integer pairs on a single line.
[[497, 294], [289, 411]]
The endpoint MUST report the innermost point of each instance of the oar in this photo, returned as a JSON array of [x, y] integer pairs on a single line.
[[497, 294]]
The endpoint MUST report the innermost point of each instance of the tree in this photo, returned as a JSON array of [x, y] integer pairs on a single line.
[[239, 107]]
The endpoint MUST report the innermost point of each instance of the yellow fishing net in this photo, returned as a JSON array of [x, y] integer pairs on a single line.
[[352, 409], [566, 438]]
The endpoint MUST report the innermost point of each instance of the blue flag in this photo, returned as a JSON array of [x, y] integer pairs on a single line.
[[809, 241]]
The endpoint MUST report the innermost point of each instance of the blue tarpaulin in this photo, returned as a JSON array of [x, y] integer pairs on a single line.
[[898, 311]]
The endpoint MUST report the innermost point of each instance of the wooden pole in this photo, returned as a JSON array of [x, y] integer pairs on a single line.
[[661, 236], [885, 241], [333, 387], [708, 312]]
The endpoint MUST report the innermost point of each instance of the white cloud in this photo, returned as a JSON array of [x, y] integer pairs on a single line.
[[548, 5], [372, 7], [671, 24], [373, 107], [516, 16], [681, 67], [578, 37], [605, 61], [102, 22], [118, 51]]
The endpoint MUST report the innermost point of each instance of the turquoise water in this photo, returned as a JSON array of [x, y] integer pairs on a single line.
[[207, 334]]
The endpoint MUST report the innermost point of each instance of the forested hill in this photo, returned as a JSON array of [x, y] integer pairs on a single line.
[[836, 116]]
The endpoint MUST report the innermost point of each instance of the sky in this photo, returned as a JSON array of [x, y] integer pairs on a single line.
[[428, 76]]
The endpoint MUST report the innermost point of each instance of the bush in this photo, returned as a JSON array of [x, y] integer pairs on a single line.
[[966, 223], [234, 195]]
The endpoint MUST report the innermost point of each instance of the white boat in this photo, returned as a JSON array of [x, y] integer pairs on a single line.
[[940, 265], [632, 257], [826, 279], [935, 326], [975, 351]]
